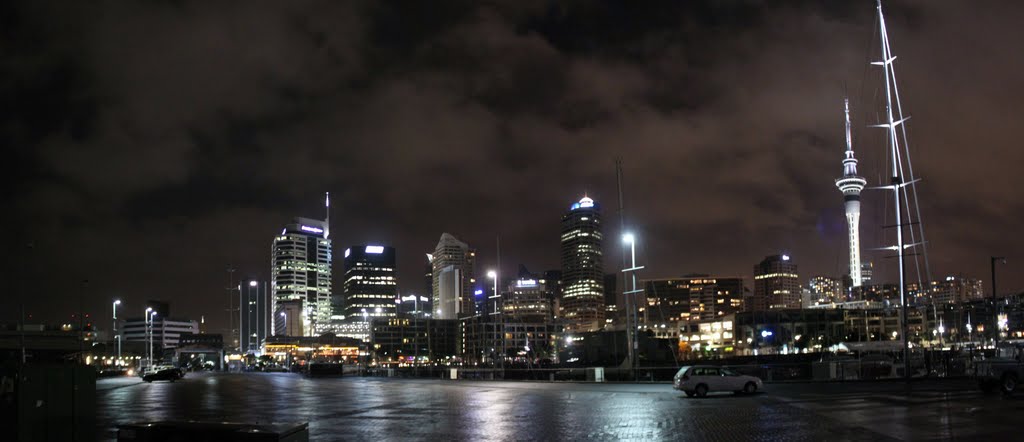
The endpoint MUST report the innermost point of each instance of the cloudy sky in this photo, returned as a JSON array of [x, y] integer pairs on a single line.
[[151, 144]]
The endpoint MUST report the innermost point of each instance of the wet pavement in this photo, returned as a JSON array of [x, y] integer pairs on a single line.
[[354, 408]]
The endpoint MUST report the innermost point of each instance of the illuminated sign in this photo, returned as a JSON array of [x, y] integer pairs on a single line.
[[347, 251], [478, 292], [785, 257], [526, 283], [583, 204], [312, 229], [375, 249]]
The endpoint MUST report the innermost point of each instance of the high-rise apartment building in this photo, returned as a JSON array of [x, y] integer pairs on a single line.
[[527, 300], [957, 289], [825, 289], [371, 284], [301, 271], [776, 284], [582, 303], [692, 298], [453, 278]]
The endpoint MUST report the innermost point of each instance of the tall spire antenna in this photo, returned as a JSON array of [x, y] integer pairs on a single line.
[[327, 221], [851, 185]]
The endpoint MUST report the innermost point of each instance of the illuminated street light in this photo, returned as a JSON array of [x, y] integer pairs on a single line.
[[117, 302]]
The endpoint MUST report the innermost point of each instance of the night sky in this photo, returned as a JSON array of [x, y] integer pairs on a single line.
[[148, 145]]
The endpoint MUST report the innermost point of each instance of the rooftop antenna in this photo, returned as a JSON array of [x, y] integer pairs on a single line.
[[327, 221]]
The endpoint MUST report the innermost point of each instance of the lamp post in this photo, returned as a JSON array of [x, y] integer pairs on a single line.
[[366, 348], [495, 297], [995, 313], [631, 304], [152, 324], [147, 335], [285, 317], [117, 302]]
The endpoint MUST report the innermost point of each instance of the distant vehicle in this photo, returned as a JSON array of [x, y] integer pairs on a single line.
[[702, 379], [1005, 371], [162, 374]]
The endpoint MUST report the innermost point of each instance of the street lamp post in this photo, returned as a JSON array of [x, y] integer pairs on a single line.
[[146, 335], [366, 348], [152, 324], [631, 304], [117, 335], [285, 316], [493, 274], [995, 312]]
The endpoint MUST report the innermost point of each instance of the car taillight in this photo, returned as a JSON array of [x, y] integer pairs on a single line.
[[686, 378]]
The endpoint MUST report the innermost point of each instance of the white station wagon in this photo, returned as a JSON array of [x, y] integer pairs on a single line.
[[699, 380]]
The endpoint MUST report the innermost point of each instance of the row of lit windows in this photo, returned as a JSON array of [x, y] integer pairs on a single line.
[[777, 275]]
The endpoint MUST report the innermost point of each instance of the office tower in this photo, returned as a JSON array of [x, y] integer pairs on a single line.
[[867, 272], [526, 300], [582, 303], [825, 289], [692, 298], [452, 278], [776, 284], [851, 185], [301, 271], [957, 289], [370, 282]]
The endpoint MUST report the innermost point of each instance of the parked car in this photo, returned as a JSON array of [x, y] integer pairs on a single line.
[[162, 373], [1005, 371], [703, 379]]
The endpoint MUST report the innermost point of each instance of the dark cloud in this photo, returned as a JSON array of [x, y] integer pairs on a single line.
[[152, 144]]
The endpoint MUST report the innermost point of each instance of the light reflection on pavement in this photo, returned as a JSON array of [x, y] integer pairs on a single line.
[[354, 408]]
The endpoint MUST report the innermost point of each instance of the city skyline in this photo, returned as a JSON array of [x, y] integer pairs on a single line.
[[149, 183]]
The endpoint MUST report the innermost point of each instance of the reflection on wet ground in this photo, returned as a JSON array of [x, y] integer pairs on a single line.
[[414, 409]]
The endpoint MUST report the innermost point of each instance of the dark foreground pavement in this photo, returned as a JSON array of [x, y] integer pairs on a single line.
[[417, 409]]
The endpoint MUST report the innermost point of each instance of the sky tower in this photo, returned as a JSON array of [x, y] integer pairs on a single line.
[[851, 185]]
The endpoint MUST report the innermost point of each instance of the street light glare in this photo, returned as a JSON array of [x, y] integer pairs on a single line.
[[117, 301], [253, 283], [628, 238], [492, 274]]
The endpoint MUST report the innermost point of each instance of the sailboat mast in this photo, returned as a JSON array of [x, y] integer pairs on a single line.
[[896, 184]]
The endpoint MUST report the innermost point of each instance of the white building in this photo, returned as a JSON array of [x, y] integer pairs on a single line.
[[166, 332], [301, 271], [452, 278]]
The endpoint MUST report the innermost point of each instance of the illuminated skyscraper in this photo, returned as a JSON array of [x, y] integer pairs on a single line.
[[776, 284], [301, 271], [851, 185], [370, 282], [582, 304], [453, 278]]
